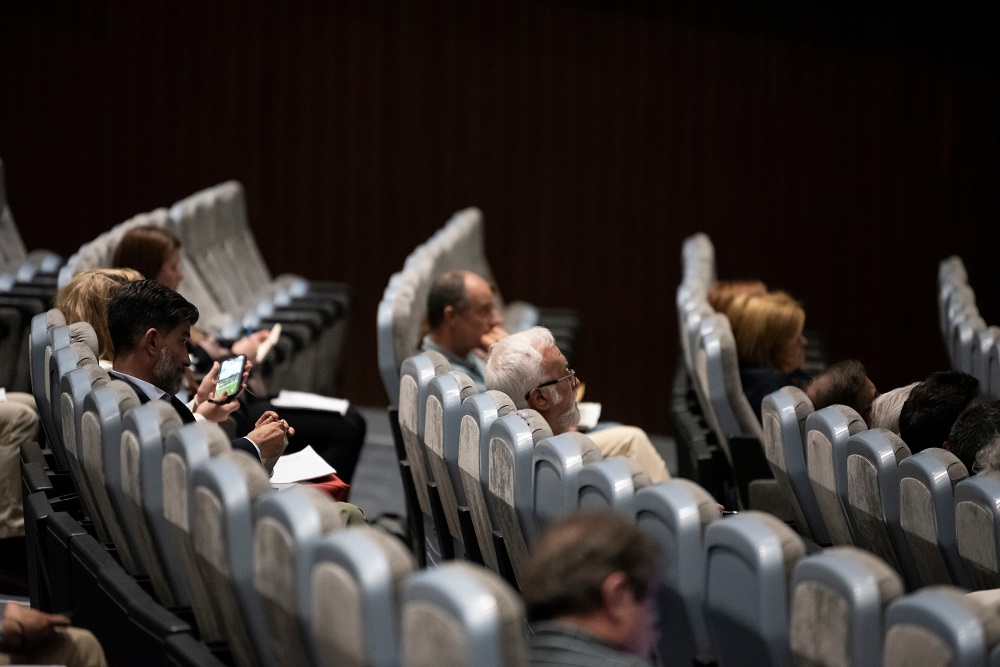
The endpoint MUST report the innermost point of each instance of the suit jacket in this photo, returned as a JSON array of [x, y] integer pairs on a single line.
[[187, 417]]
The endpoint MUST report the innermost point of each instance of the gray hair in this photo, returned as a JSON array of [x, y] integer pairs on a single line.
[[886, 408], [988, 458], [514, 365]]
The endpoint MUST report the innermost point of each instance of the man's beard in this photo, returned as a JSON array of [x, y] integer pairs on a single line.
[[571, 418], [166, 374]]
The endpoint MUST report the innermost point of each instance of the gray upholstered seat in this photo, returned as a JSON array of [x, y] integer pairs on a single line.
[[356, 576], [224, 493], [415, 376], [977, 529], [461, 614], [873, 459], [748, 567], [837, 601], [827, 432], [939, 626], [927, 514], [183, 450], [39, 350], [981, 357], [784, 415], [75, 386], [557, 462], [676, 513], [288, 528], [610, 485], [993, 360], [963, 338]]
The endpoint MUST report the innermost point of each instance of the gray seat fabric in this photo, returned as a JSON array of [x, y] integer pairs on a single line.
[[461, 614], [557, 462], [838, 598], [927, 514], [827, 432], [289, 526], [873, 504], [981, 347], [748, 567], [415, 377], [356, 577], [40, 347], [610, 485], [676, 514], [784, 414], [977, 528], [939, 626]]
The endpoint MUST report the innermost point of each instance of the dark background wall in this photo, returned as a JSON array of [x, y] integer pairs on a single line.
[[838, 152]]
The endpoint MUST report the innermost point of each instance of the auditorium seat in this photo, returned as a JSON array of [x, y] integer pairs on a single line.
[[557, 463], [40, 351], [927, 514], [749, 560], [676, 513], [963, 338], [981, 347], [611, 485], [838, 597], [461, 614], [356, 577], [977, 528], [827, 432]]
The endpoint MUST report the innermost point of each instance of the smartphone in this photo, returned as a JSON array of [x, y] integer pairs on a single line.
[[231, 376]]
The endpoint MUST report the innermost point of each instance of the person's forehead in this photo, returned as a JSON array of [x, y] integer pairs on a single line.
[[477, 289], [554, 357]]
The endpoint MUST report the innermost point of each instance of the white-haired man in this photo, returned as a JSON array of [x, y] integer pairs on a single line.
[[530, 369]]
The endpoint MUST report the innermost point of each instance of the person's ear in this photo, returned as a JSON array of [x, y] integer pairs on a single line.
[[448, 313], [538, 401], [617, 595], [151, 341]]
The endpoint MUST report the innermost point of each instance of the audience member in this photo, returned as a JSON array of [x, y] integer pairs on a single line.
[[770, 344], [886, 407], [589, 593], [530, 369], [843, 383], [464, 321], [988, 458], [927, 416], [18, 425], [722, 293], [85, 298], [32, 637], [975, 428]]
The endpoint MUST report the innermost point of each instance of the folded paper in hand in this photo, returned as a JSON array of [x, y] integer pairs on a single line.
[[300, 466]]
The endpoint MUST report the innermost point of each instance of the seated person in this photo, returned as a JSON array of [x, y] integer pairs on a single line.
[[886, 407], [975, 428], [19, 423], [85, 298], [988, 458], [843, 383], [722, 293], [589, 593], [464, 321], [927, 416], [770, 344], [529, 368], [32, 637]]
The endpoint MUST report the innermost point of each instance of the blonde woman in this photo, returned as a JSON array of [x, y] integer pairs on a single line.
[[85, 299]]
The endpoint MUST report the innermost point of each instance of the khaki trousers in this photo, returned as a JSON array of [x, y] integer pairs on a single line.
[[632, 442]]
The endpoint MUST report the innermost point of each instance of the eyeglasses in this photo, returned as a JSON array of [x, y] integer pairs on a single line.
[[570, 373]]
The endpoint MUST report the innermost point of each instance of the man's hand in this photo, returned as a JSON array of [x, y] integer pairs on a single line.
[[271, 434], [24, 628], [248, 344], [490, 337]]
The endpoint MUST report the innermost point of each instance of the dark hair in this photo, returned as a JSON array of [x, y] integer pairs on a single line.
[[145, 248], [974, 429], [842, 384], [138, 306], [447, 290], [568, 566], [933, 406]]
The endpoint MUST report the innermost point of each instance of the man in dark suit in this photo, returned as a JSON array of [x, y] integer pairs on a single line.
[[150, 326]]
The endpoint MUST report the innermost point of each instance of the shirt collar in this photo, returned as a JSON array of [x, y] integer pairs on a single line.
[[152, 391]]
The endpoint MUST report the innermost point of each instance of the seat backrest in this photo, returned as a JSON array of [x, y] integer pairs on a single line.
[[557, 463], [981, 357], [719, 365], [784, 414], [39, 350], [939, 626], [827, 432], [676, 514], [415, 376], [748, 566], [75, 386], [927, 514], [388, 365], [478, 414], [993, 361], [509, 494], [873, 497], [182, 451], [963, 339], [288, 528], [224, 492], [461, 614], [977, 529], [837, 602], [141, 460], [356, 577], [610, 485]]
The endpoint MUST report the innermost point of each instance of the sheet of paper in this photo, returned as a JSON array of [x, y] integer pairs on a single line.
[[300, 466], [303, 399], [269, 342], [590, 413], [3, 394]]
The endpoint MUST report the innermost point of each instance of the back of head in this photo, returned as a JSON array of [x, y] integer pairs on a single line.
[[85, 299], [514, 365], [927, 416], [569, 564], [145, 248], [138, 306], [447, 290], [975, 428], [988, 457], [763, 324], [843, 383], [886, 408], [722, 293]]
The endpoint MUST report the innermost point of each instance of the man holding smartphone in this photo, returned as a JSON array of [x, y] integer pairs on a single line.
[[150, 325]]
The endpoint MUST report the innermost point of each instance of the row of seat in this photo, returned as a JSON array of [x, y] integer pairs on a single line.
[[973, 347], [266, 577]]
